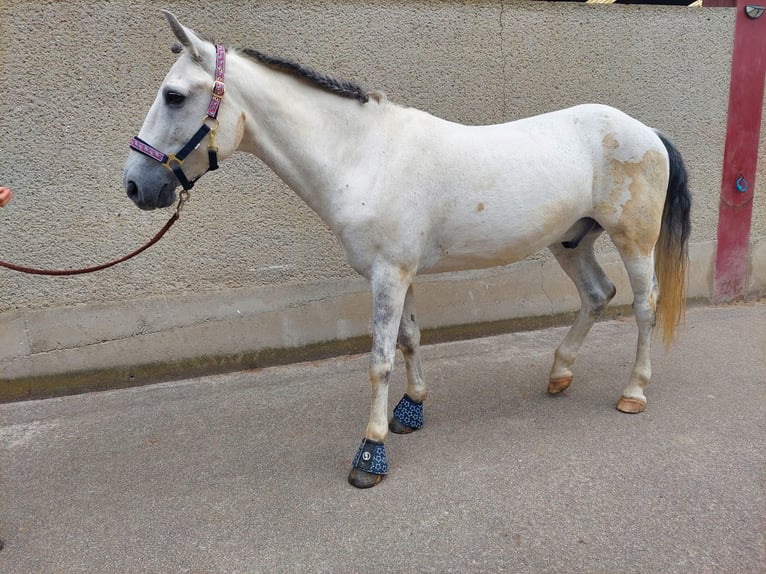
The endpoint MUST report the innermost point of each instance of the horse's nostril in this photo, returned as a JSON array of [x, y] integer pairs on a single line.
[[132, 190]]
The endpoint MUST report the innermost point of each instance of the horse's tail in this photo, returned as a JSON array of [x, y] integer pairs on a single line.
[[671, 252]]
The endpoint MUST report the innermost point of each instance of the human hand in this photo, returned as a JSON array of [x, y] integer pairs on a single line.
[[5, 195]]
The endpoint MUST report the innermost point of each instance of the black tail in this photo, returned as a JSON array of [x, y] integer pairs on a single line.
[[672, 250]]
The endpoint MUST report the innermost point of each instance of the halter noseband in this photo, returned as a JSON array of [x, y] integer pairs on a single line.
[[174, 161]]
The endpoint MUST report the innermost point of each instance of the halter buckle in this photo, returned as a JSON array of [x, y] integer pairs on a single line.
[[170, 159]]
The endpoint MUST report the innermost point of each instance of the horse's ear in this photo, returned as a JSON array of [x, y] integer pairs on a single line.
[[187, 37]]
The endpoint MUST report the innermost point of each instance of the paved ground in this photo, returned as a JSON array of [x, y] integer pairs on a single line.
[[247, 472]]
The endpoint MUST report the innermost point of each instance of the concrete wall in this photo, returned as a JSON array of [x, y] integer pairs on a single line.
[[249, 267]]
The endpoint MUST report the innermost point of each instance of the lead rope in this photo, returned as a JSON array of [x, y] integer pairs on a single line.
[[182, 197]]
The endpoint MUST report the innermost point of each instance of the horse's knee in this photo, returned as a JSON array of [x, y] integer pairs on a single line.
[[380, 370]]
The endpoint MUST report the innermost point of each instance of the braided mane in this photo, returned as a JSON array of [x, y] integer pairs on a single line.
[[326, 83]]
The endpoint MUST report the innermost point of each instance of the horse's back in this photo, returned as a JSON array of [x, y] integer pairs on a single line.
[[560, 151]]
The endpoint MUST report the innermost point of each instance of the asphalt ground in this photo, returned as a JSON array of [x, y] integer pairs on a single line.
[[246, 472]]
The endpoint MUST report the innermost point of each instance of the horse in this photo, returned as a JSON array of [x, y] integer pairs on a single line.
[[406, 193]]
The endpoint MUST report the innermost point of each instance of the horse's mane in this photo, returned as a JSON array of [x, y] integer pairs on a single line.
[[327, 83]]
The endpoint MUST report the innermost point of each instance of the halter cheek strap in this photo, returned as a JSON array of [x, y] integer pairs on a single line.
[[174, 161]]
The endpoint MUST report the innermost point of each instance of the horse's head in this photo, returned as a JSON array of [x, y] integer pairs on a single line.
[[186, 113]]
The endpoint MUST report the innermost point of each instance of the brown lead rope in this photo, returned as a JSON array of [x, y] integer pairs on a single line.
[[182, 198]]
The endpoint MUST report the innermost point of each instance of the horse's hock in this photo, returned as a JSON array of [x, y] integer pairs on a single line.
[[250, 275]]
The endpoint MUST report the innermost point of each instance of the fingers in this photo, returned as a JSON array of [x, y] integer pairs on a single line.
[[5, 195]]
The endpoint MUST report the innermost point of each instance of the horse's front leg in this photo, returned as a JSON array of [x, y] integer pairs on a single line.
[[389, 287], [408, 414]]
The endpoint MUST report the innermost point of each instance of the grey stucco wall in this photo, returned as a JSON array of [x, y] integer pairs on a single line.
[[79, 76]]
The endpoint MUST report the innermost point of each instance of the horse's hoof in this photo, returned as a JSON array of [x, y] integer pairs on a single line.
[[362, 479], [631, 406], [555, 386], [396, 426]]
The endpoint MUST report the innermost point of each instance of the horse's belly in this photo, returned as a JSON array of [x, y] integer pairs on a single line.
[[461, 261], [481, 230], [480, 245]]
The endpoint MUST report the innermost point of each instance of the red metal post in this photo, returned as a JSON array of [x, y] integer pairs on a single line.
[[748, 73]]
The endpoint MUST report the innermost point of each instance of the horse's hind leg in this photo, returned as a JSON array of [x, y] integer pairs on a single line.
[[645, 295], [408, 414], [595, 289]]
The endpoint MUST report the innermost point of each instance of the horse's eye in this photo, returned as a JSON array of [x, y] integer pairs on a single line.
[[174, 98]]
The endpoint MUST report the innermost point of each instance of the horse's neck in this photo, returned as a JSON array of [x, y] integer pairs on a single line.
[[304, 134]]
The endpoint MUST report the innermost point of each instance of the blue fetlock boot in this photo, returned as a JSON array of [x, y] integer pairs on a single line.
[[370, 464], [408, 416]]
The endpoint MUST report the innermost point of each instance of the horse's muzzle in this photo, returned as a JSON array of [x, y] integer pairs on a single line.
[[164, 197]]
